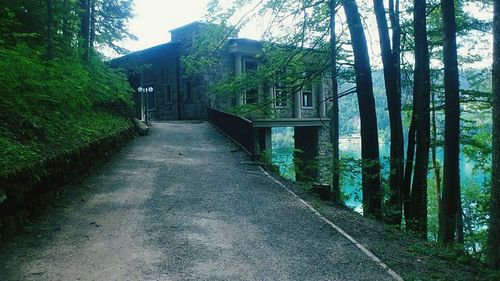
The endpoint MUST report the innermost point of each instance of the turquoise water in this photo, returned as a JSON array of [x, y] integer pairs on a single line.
[[282, 151], [474, 183], [350, 148]]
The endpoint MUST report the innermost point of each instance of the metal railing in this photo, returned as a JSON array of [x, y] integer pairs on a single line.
[[239, 129]]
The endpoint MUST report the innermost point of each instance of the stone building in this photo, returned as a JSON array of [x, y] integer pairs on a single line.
[[180, 95]]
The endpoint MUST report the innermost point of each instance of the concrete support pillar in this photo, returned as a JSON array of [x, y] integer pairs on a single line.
[[321, 99], [297, 103], [325, 153], [238, 69], [306, 145], [262, 140]]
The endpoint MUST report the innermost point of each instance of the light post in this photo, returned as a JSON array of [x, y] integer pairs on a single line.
[[145, 91]]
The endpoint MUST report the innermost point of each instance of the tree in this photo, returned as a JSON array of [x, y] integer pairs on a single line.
[[372, 197], [390, 60], [103, 24], [417, 220], [451, 177], [334, 111], [493, 255], [50, 29], [85, 28]]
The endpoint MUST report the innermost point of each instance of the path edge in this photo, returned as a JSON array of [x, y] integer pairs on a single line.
[[367, 252]]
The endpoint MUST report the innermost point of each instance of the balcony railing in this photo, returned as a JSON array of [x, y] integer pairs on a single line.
[[239, 129]]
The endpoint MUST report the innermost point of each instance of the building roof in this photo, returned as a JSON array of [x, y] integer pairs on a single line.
[[135, 57], [189, 25]]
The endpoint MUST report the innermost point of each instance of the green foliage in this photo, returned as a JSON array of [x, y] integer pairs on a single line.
[[47, 107], [475, 200], [111, 27]]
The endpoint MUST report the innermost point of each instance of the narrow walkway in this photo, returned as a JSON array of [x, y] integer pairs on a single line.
[[182, 204]]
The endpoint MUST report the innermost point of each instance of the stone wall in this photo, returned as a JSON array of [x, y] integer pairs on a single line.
[[25, 193], [324, 157]]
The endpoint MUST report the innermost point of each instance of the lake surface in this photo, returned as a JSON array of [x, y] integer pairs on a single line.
[[350, 148]]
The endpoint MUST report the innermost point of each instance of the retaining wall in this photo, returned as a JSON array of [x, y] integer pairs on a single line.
[[26, 192]]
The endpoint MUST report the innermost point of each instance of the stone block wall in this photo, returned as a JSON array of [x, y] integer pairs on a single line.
[[26, 192], [324, 157]]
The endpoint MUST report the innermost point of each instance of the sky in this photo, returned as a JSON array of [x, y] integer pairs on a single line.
[[154, 18]]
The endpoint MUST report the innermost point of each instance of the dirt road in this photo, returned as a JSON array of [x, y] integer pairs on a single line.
[[182, 204]]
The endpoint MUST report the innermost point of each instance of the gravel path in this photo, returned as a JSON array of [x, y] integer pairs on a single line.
[[182, 204]]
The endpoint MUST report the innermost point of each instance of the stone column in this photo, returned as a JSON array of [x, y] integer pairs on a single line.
[[325, 153], [270, 96], [306, 145], [297, 103], [262, 140], [237, 71]]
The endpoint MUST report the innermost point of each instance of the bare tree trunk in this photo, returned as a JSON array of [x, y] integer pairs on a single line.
[[390, 60], [334, 111], [93, 19], [85, 28], [410, 156], [451, 173], [435, 162], [418, 203], [493, 255], [50, 29], [372, 197], [460, 221], [66, 29]]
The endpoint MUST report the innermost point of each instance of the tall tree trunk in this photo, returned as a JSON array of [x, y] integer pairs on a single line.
[[85, 28], [334, 111], [451, 174], [50, 29], [372, 197], [66, 27], [389, 60], [493, 255], [460, 221], [435, 162], [418, 203], [93, 18], [410, 156]]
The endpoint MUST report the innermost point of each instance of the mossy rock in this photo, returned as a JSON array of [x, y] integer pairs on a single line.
[[141, 128]]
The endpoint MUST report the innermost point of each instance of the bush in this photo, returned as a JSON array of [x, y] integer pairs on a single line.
[[50, 106]]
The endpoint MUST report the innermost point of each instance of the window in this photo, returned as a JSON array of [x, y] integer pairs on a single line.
[[251, 96], [281, 98], [167, 91], [250, 66], [307, 98]]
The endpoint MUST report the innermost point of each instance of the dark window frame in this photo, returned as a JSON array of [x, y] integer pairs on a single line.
[[307, 102], [280, 96], [189, 92], [167, 94], [254, 92]]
